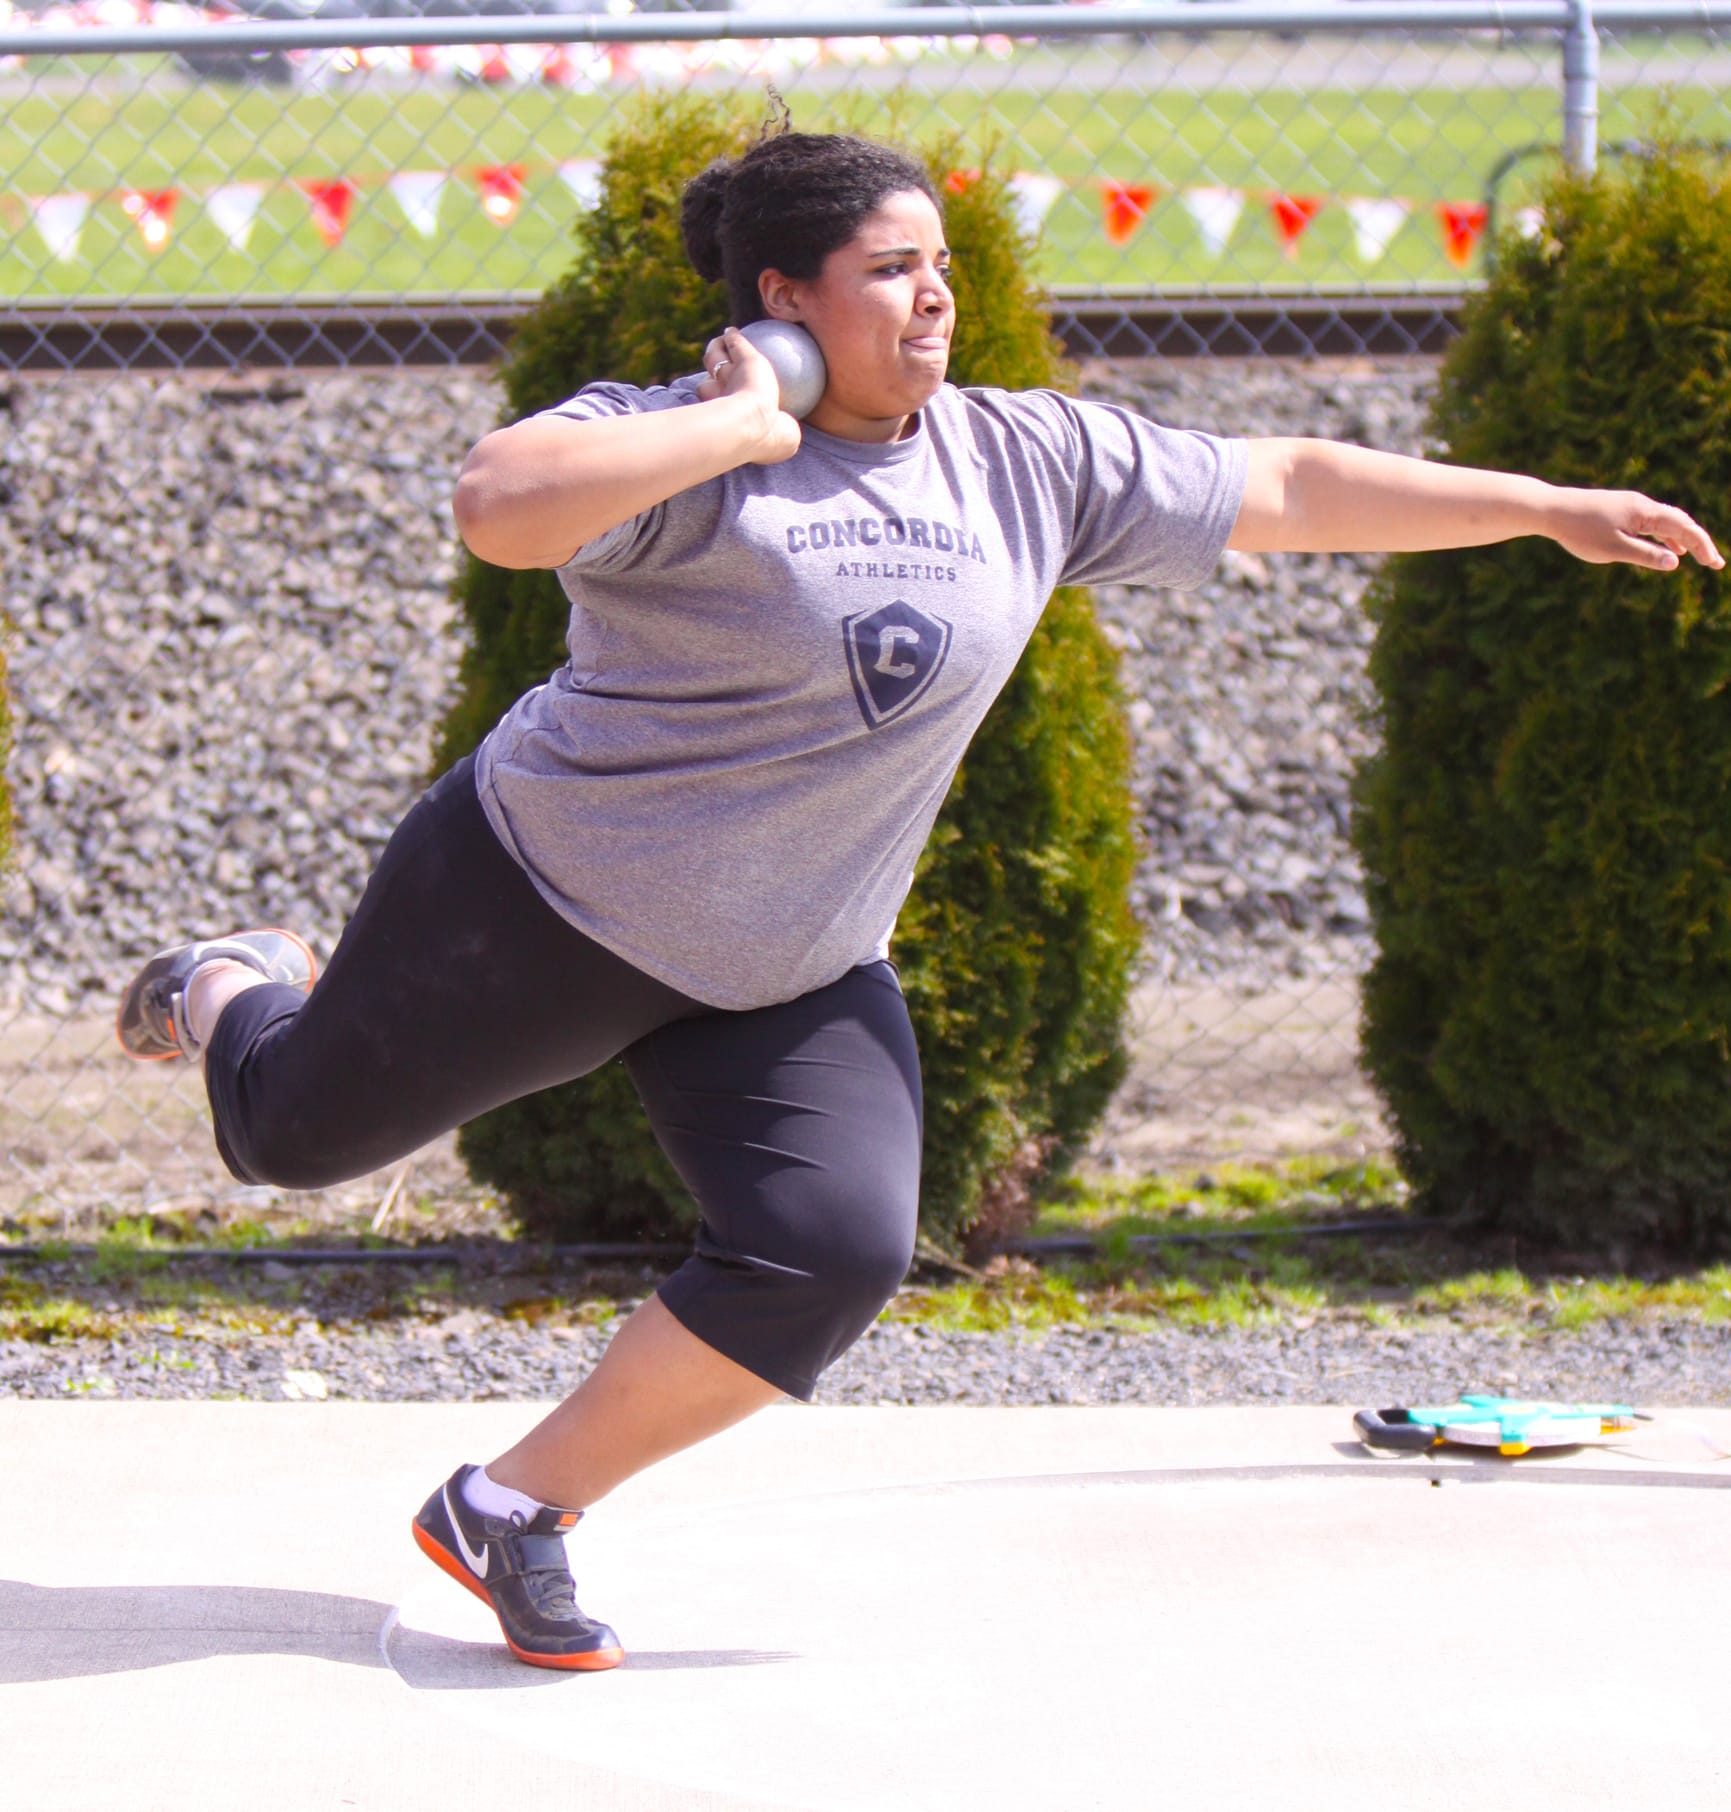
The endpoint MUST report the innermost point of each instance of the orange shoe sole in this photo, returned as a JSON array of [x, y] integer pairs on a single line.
[[596, 1662]]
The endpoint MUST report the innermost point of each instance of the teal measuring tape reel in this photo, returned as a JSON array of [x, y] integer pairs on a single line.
[[1512, 1425]]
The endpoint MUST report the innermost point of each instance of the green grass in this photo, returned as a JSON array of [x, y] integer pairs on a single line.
[[103, 136], [1227, 1196], [89, 1307], [1255, 1270], [130, 1283]]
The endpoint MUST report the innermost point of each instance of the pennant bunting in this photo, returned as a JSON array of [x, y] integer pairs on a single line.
[[152, 210], [1033, 197], [1463, 225], [559, 67], [1215, 212], [1292, 215], [501, 187], [330, 203], [60, 219], [1127, 206], [1375, 221], [234, 208], [582, 176], [418, 193]]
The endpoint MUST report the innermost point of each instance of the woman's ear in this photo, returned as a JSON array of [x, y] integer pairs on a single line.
[[779, 295]]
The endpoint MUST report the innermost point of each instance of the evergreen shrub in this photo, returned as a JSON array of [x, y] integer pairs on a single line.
[[1016, 943], [1547, 828]]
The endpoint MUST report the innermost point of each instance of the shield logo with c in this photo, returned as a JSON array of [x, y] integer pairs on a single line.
[[893, 655]]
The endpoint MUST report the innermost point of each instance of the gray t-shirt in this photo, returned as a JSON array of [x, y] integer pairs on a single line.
[[775, 674]]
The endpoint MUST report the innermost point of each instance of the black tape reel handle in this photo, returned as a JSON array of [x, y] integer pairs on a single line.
[[1393, 1428]]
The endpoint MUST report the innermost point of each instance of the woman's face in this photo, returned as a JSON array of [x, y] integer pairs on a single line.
[[882, 313]]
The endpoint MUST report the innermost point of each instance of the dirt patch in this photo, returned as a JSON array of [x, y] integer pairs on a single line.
[[90, 1135], [1218, 1073], [1215, 1074]]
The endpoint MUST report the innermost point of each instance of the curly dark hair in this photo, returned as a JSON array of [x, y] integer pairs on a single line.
[[785, 205]]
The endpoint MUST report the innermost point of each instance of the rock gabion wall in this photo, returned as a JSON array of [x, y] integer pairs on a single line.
[[1248, 695], [232, 638]]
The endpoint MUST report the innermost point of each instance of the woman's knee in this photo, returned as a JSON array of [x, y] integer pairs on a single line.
[[860, 1268], [266, 1149]]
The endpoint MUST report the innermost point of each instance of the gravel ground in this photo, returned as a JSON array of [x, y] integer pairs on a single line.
[[468, 1357]]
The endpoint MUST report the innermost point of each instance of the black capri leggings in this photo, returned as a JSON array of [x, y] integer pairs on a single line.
[[456, 987]]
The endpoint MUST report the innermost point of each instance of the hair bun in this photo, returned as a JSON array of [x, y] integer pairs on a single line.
[[700, 209]]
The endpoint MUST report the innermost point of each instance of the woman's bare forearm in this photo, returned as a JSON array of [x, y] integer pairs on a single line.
[[1318, 496], [1325, 497], [533, 493]]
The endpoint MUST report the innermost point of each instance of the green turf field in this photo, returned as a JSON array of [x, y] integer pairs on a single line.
[[155, 130]]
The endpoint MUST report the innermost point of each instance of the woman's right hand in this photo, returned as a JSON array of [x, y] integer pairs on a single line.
[[531, 494], [733, 367]]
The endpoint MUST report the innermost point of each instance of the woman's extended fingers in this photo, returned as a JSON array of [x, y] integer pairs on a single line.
[[1675, 532], [1626, 526]]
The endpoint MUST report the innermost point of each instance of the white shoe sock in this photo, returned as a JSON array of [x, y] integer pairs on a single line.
[[209, 989], [493, 1499]]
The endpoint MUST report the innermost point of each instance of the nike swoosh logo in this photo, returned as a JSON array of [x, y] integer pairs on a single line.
[[477, 1562]]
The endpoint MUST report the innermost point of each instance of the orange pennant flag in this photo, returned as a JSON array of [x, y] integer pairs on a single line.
[[1292, 215], [959, 182], [1463, 225], [153, 212], [501, 187], [1127, 206], [330, 202]]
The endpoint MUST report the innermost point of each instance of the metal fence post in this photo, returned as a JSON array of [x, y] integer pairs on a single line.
[[1581, 89]]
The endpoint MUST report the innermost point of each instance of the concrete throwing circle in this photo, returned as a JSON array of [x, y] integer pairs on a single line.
[[1079, 1643]]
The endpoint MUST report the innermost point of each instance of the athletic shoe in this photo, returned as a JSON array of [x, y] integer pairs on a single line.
[[151, 1023], [518, 1570]]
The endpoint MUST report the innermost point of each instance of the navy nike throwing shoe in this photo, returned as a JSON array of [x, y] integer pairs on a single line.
[[518, 1570]]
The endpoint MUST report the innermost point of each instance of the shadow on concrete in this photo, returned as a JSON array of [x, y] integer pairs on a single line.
[[430, 1663], [61, 1632], [68, 1632], [668, 1660]]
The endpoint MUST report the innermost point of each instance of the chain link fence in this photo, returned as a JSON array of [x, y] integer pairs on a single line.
[[254, 273]]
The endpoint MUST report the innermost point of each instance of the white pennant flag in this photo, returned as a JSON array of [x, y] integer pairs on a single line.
[[234, 207], [582, 176], [418, 193], [60, 220], [1215, 212], [1375, 221], [1033, 196]]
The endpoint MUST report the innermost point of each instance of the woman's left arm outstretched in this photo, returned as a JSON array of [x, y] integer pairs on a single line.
[[1320, 496]]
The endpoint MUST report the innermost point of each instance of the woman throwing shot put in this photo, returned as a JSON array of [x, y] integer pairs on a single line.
[[688, 847]]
